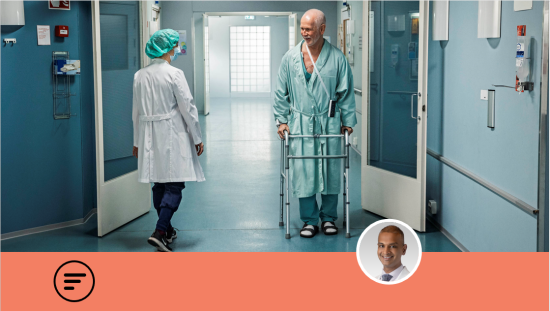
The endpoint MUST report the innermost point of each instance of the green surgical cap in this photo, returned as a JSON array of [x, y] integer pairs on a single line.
[[161, 42]]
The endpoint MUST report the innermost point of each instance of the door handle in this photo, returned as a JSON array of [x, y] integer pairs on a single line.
[[412, 106]]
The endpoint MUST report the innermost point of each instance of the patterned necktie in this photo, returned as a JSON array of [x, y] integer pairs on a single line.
[[386, 277]]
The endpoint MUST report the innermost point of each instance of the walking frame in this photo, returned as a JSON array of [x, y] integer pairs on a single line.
[[285, 157]]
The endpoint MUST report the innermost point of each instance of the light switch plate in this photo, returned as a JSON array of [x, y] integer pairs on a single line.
[[484, 94]]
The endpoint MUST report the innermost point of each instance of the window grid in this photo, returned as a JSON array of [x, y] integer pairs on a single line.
[[250, 59]]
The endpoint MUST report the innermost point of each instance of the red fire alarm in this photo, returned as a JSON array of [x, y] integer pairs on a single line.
[[61, 31]]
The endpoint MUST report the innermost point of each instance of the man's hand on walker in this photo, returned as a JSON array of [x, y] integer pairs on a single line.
[[135, 152], [350, 130], [282, 128], [200, 148]]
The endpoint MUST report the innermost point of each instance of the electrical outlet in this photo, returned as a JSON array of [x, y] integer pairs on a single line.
[[355, 141], [432, 207], [484, 94]]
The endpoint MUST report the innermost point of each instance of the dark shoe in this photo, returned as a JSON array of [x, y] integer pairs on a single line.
[[325, 225], [159, 241], [309, 232], [171, 234]]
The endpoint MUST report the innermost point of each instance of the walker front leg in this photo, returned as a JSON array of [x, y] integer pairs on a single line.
[[282, 181], [287, 176], [344, 197], [347, 185]]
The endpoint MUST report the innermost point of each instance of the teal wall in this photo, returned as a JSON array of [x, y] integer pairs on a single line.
[[48, 166], [506, 156]]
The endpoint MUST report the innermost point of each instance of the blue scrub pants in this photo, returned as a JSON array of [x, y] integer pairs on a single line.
[[310, 212], [166, 199]]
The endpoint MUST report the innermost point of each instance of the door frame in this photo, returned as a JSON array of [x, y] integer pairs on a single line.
[[123, 198], [422, 103]]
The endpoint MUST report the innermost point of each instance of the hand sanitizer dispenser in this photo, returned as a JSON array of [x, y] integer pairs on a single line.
[[394, 55], [522, 61]]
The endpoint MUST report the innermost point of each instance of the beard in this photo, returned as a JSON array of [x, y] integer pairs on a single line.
[[314, 39]]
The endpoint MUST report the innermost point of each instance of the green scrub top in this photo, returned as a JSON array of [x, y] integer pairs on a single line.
[[303, 106]]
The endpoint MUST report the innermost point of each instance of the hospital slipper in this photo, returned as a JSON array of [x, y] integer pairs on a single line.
[[309, 231], [158, 240], [329, 228]]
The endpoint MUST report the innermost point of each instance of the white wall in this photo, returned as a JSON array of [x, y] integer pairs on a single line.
[[220, 53], [357, 16]]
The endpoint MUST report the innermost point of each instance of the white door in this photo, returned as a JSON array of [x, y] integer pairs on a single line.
[[393, 170], [206, 66], [120, 198], [292, 31]]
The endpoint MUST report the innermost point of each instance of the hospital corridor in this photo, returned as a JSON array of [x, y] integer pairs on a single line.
[[236, 210], [442, 140]]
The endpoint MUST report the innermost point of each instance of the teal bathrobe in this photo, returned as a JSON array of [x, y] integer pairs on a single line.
[[304, 107]]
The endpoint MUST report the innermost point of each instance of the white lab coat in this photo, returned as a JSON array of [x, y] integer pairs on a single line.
[[401, 275], [166, 125]]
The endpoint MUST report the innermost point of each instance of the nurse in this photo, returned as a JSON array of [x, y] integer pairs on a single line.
[[301, 107], [167, 133]]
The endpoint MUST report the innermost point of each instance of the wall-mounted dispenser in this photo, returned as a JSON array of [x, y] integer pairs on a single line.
[[523, 61], [488, 19], [440, 17], [394, 55], [13, 14]]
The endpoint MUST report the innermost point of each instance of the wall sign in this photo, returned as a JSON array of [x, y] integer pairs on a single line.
[[183, 42], [60, 5]]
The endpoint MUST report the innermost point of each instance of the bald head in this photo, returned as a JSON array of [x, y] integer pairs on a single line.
[[316, 16], [312, 27], [395, 230]]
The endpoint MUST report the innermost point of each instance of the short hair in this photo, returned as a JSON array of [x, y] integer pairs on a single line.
[[394, 229], [319, 19]]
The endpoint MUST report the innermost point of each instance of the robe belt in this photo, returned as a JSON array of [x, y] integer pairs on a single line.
[[313, 117], [158, 117]]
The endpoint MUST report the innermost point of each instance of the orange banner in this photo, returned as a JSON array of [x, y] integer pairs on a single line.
[[268, 281]]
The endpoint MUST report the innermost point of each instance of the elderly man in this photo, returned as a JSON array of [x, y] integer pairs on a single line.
[[314, 75]]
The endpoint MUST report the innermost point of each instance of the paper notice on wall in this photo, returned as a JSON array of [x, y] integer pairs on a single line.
[[183, 41], [43, 34]]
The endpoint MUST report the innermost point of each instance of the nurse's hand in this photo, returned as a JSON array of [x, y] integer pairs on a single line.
[[282, 128], [200, 148], [350, 130], [135, 152]]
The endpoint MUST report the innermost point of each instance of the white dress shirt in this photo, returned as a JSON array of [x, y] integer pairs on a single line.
[[395, 273]]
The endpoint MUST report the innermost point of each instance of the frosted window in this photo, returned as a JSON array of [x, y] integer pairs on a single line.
[[250, 59]]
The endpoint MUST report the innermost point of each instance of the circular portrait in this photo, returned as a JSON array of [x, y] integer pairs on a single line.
[[389, 251]]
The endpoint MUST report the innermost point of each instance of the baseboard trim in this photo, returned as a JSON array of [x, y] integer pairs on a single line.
[[60, 225], [446, 233]]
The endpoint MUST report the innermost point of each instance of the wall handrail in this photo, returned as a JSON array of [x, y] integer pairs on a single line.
[[501, 193], [402, 92]]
